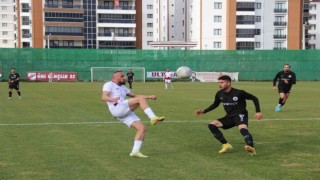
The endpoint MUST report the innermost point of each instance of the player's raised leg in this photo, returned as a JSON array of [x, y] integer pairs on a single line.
[[140, 101]]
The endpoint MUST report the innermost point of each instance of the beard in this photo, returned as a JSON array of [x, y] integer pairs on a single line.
[[122, 83]]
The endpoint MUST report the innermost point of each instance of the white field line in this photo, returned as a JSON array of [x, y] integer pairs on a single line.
[[169, 121]]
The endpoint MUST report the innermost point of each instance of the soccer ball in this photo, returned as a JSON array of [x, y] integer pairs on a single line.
[[184, 72]]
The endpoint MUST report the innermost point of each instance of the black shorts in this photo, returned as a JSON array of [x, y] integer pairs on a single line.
[[284, 89], [230, 122], [14, 86]]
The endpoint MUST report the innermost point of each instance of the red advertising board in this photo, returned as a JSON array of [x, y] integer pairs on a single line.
[[52, 76]]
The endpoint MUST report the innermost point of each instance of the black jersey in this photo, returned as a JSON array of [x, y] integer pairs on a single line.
[[234, 102], [130, 75], [282, 76], [14, 77]]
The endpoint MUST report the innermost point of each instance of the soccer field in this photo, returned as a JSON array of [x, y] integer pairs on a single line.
[[64, 131]]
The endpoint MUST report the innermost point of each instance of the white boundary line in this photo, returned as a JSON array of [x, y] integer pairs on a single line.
[[176, 121]]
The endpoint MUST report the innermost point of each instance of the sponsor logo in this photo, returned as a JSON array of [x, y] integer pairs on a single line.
[[235, 98]]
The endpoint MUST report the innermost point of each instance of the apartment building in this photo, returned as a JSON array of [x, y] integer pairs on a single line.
[[230, 24], [311, 24], [130, 24], [144, 23], [8, 24]]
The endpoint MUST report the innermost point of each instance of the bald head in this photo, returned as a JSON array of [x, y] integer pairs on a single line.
[[118, 78]]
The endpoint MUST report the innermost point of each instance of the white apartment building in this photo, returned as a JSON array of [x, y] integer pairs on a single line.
[[230, 24], [8, 33], [116, 24], [313, 25], [25, 23], [147, 23]]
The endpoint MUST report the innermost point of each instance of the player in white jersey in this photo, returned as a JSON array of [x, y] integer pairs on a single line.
[[114, 94], [167, 78]]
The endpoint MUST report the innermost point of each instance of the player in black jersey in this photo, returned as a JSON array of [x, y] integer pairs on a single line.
[[286, 79], [13, 82], [130, 75], [234, 103]]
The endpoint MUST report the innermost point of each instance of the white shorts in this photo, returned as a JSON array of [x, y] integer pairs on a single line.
[[167, 80], [123, 113]]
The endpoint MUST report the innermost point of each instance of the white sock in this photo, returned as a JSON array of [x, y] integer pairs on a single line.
[[137, 145], [166, 85], [279, 105], [149, 113]]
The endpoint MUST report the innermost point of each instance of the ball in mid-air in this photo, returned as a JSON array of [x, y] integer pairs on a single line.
[[184, 72]]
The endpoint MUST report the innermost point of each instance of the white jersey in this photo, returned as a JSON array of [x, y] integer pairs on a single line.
[[115, 91], [168, 75]]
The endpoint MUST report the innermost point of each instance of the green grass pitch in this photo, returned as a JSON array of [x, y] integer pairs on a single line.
[[64, 131]]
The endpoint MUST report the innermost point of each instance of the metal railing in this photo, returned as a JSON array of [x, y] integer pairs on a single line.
[[109, 34], [278, 10], [129, 21], [278, 36], [277, 23], [63, 6], [117, 7]]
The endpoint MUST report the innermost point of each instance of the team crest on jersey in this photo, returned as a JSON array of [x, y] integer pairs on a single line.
[[235, 98]]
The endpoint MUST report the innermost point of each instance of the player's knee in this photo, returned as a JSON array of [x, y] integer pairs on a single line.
[[212, 127]]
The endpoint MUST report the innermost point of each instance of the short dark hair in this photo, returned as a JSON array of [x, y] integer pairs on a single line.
[[13, 68], [287, 65], [225, 77]]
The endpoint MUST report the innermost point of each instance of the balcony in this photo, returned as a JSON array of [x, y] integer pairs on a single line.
[[245, 35], [245, 22], [277, 10], [117, 7], [278, 36], [64, 33], [26, 35], [124, 21], [26, 22], [279, 48], [109, 34], [67, 6], [277, 23]]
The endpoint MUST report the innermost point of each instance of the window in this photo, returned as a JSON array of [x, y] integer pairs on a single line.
[[280, 6], [5, 41], [258, 18], [4, 33], [148, 42], [217, 18], [4, 24], [217, 5], [150, 34], [4, 8], [257, 45], [149, 6], [4, 16], [149, 24], [216, 44], [149, 15], [279, 45], [217, 32], [258, 5]]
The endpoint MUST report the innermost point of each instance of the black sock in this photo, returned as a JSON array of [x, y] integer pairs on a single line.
[[281, 101], [247, 136], [19, 93], [10, 94], [217, 133]]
